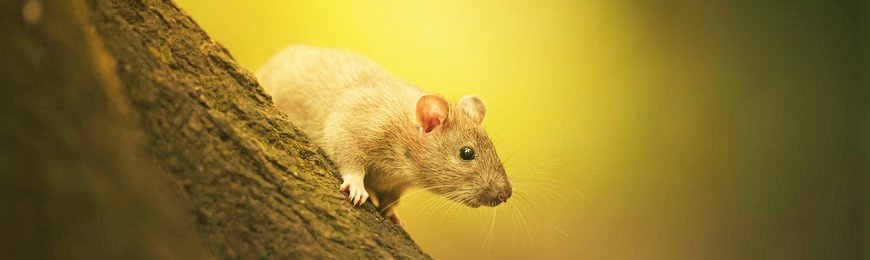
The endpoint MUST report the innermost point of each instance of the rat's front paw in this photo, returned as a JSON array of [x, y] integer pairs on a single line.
[[395, 219], [356, 189]]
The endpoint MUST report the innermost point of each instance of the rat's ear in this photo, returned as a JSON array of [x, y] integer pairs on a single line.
[[474, 107], [431, 112]]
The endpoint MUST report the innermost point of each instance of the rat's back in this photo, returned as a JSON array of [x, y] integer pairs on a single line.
[[306, 82]]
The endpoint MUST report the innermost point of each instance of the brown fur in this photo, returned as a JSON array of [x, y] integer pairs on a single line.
[[371, 126]]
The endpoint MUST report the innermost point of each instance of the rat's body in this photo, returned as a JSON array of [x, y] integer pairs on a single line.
[[384, 134]]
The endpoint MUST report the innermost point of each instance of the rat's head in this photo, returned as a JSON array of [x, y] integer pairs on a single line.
[[457, 159]]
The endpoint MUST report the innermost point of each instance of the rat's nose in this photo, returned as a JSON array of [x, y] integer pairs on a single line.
[[504, 195]]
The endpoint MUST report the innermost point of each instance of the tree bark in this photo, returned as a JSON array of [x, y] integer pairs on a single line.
[[128, 132]]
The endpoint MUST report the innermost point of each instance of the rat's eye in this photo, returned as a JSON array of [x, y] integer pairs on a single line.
[[466, 153]]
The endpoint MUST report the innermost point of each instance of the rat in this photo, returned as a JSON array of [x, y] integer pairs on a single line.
[[385, 135]]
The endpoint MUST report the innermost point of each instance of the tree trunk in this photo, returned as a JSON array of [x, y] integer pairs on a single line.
[[128, 132]]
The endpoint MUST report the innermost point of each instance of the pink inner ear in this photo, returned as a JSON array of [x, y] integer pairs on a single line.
[[430, 122], [431, 112]]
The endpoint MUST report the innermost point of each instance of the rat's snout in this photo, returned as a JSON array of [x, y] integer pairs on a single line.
[[504, 194], [502, 197], [497, 194]]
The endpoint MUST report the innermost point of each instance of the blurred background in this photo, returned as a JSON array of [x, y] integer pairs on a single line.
[[631, 129]]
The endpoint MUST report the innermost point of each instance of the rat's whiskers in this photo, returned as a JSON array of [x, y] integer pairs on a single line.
[[488, 233], [415, 192], [524, 225]]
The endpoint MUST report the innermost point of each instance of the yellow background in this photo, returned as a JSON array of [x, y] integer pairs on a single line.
[[632, 130]]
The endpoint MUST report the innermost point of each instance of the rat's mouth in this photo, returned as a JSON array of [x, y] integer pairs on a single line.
[[459, 196], [492, 203], [476, 203], [473, 200]]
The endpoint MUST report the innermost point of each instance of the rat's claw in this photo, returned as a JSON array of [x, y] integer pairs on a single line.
[[354, 195], [344, 186], [363, 196], [357, 194]]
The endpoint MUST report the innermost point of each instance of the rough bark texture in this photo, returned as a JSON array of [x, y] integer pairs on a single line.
[[127, 131]]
